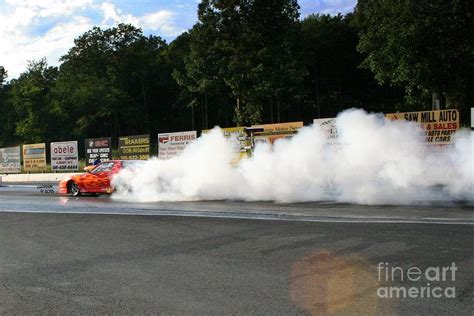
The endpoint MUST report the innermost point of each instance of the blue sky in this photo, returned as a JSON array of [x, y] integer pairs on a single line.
[[32, 29]]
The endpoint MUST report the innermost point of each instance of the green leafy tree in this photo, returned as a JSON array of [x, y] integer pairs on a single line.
[[3, 75], [188, 93], [424, 45], [248, 47], [201, 76], [335, 81], [31, 99], [7, 113], [262, 66], [109, 81]]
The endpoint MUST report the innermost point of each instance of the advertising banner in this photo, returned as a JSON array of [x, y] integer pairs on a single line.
[[328, 127], [281, 127], [98, 148], [439, 125], [64, 156], [34, 157], [237, 133], [272, 132], [135, 147], [10, 161], [171, 145]]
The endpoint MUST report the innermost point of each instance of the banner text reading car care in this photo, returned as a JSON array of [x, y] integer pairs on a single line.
[[64, 156], [10, 160], [439, 125], [134, 147], [98, 148], [34, 157], [171, 145]]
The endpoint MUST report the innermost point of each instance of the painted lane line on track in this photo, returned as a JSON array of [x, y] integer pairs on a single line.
[[254, 216]]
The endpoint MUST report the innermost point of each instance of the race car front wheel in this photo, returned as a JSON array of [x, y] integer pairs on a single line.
[[74, 189]]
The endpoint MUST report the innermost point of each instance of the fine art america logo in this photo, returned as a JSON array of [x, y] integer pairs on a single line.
[[430, 282]]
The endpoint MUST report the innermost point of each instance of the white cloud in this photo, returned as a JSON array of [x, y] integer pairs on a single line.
[[113, 15], [51, 8], [52, 45], [33, 29], [157, 20], [160, 21], [59, 39]]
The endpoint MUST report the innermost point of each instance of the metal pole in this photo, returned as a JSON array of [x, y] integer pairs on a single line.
[[472, 149]]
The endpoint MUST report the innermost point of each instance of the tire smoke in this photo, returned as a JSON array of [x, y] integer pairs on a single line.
[[375, 161]]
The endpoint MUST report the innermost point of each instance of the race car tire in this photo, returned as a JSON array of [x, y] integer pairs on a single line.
[[74, 189]]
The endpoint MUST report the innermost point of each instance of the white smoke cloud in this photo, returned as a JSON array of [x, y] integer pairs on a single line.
[[376, 161]]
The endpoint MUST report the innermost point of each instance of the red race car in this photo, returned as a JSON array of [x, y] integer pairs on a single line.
[[97, 179]]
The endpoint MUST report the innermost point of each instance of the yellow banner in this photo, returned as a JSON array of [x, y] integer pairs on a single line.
[[439, 125], [272, 132], [280, 127], [34, 157], [234, 131], [239, 134], [229, 131]]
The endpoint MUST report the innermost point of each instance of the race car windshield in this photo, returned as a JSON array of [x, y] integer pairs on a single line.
[[103, 167]]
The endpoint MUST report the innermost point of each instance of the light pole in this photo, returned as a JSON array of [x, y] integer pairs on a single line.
[[472, 150]]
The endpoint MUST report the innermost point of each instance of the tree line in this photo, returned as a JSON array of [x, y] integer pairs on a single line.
[[246, 62]]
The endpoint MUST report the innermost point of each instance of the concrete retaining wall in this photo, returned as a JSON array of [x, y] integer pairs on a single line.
[[34, 177]]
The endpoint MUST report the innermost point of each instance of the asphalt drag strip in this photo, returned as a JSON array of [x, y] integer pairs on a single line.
[[111, 264], [63, 255], [43, 199]]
